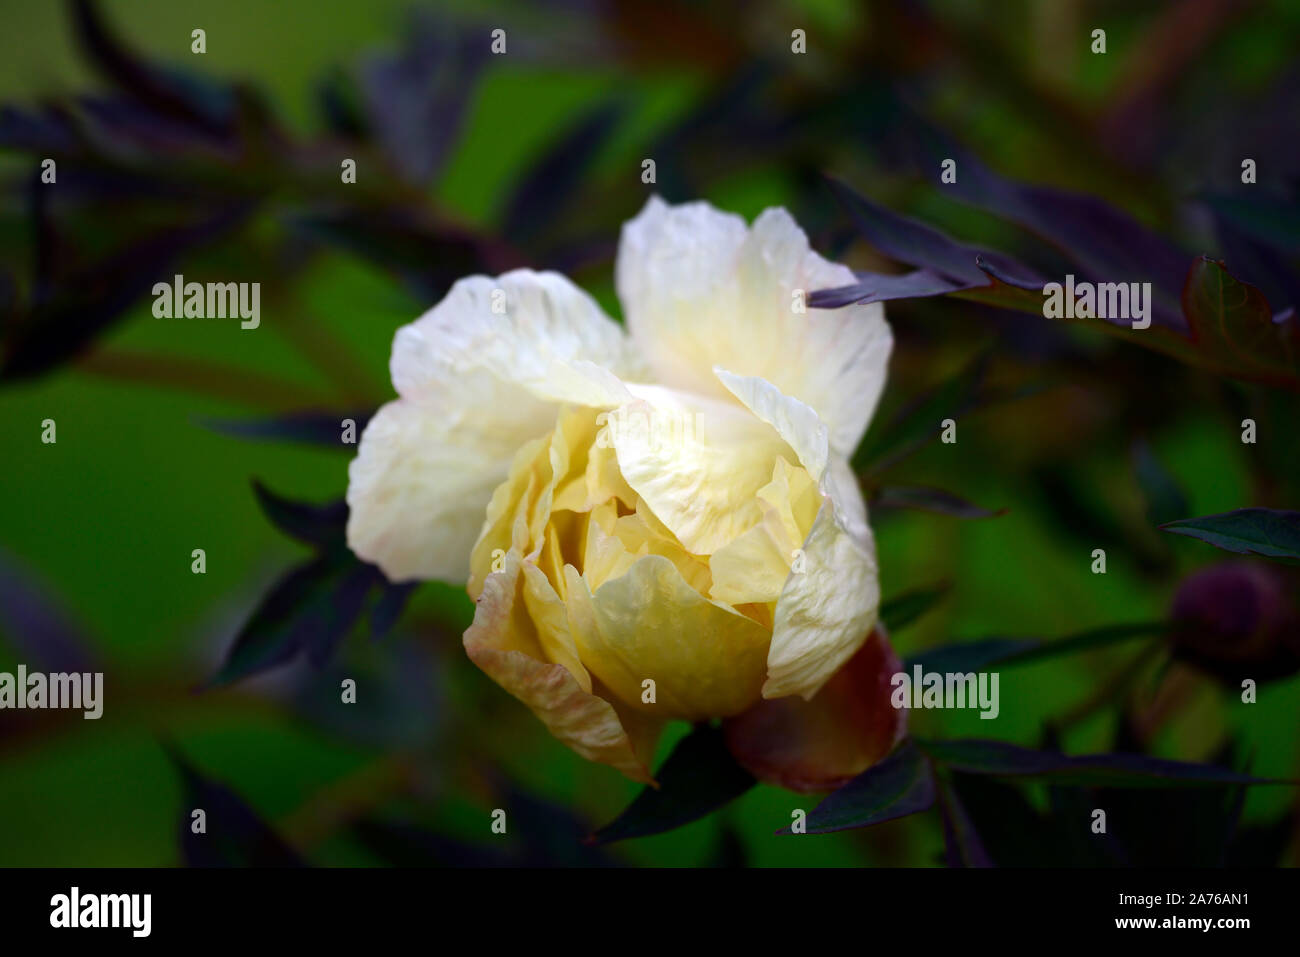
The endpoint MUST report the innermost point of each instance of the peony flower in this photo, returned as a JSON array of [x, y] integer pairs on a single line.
[[657, 521]]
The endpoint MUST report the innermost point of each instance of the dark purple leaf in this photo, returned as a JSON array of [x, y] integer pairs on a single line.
[[901, 610], [1000, 759], [962, 844], [550, 185], [1260, 265], [82, 305], [1247, 531], [921, 421], [900, 785], [320, 525], [962, 657], [930, 500], [415, 100], [1107, 244], [307, 612], [43, 633], [699, 777], [314, 428], [427, 256], [235, 835], [912, 242], [1165, 500], [392, 602], [1234, 329], [46, 131], [878, 287], [181, 96]]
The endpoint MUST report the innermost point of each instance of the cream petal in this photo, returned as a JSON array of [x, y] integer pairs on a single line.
[[697, 463], [476, 385], [826, 610], [698, 290], [417, 490], [503, 642], [535, 331], [830, 600]]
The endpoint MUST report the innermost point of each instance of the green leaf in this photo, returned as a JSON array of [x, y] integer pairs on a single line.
[[1247, 531], [900, 785], [901, 610], [999, 759], [699, 777]]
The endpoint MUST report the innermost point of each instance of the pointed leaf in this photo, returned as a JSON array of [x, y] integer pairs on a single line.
[[900, 785], [307, 612], [1165, 500], [234, 836], [926, 499], [1234, 329], [699, 777], [314, 428], [901, 610], [1247, 531], [963, 657], [999, 759], [323, 526]]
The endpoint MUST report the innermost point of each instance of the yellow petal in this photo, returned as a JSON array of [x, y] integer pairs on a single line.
[[504, 643], [705, 659], [697, 463]]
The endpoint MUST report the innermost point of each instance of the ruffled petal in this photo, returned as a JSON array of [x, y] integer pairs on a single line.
[[830, 600], [820, 744], [417, 490], [697, 463], [699, 290], [480, 375], [503, 642], [706, 660]]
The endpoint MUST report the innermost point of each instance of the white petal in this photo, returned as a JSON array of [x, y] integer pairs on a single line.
[[418, 489], [476, 385], [525, 329], [698, 291]]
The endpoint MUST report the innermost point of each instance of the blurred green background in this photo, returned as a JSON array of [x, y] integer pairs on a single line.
[[105, 520]]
